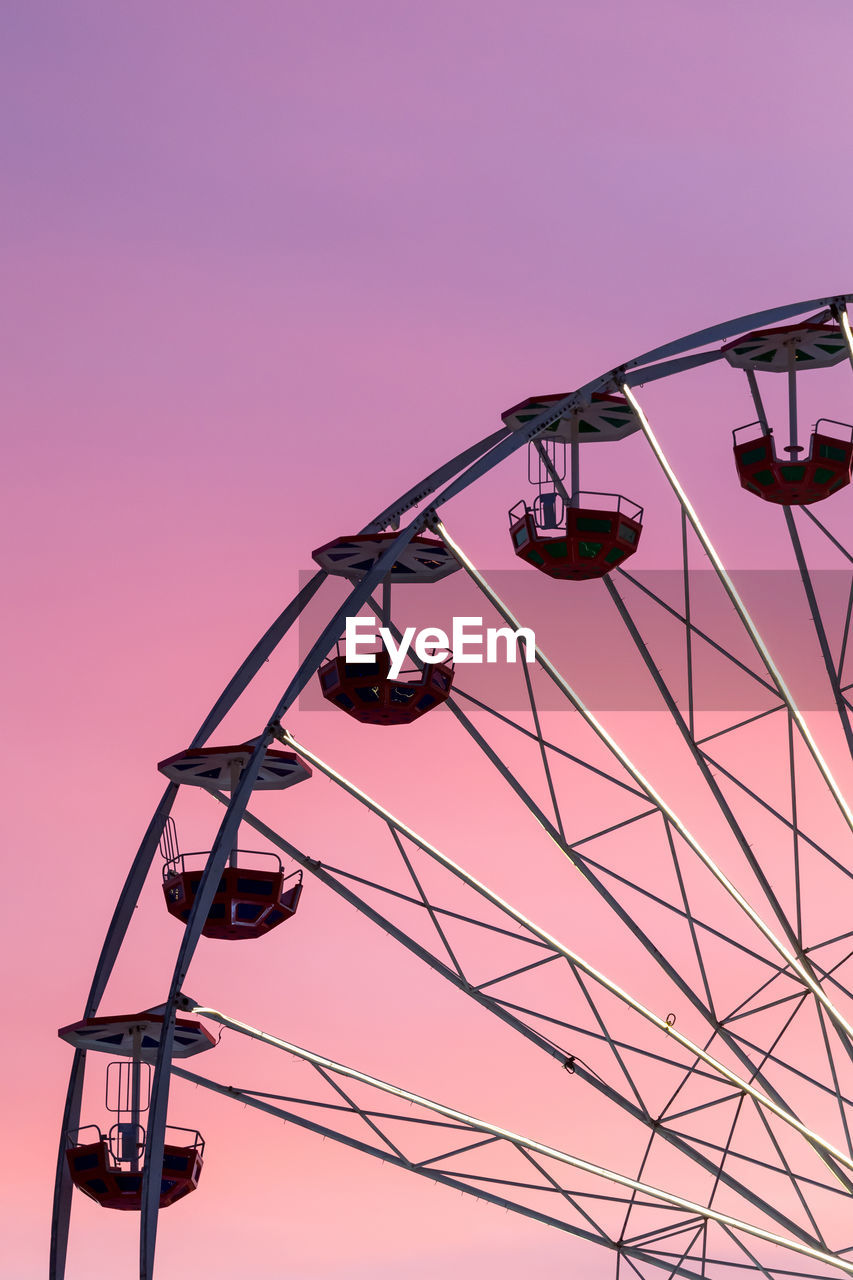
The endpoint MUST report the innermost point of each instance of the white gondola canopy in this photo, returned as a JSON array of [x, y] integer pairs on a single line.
[[813, 346], [424, 559], [605, 416], [219, 768], [119, 1035]]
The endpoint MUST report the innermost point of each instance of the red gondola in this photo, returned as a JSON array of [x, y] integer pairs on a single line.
[[115, 1184], [108, 1168], [248, 902], [806, 475], [366, 691], [575, 542], [567, 532], [797, 481]]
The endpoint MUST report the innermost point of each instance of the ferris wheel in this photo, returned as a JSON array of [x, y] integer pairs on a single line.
[[694, 988]]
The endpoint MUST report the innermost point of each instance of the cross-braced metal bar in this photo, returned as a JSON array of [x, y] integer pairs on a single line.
[[584, 1199]]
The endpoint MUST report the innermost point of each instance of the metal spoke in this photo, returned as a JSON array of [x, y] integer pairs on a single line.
[[532, 1146]]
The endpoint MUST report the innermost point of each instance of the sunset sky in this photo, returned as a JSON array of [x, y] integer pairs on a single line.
[[264, 265]]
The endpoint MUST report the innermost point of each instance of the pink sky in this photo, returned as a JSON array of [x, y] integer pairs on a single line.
[[264, 265]]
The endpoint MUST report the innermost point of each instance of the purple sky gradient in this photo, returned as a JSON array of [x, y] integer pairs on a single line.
[[263, 265]]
